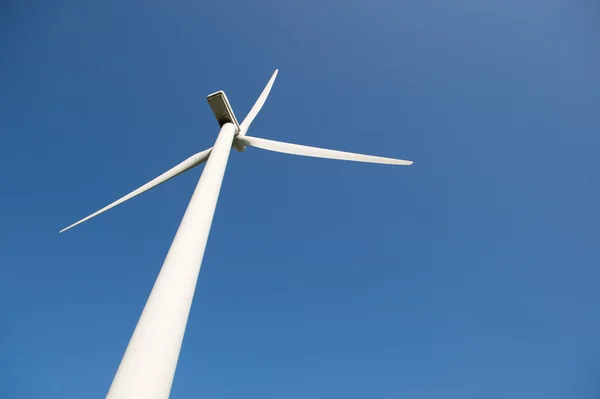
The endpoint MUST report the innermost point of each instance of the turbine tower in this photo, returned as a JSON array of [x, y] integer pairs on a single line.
[[148, 366]]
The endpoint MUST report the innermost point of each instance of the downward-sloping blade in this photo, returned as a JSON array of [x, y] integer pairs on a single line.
[[245, 125], [188, 164], [306, 151]]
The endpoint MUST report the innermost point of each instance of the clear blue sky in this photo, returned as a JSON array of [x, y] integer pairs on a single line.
[[471, 274]]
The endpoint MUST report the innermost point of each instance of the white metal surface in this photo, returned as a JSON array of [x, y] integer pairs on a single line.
[[296, 149], [222, 109], [148, 366], [188, 164]]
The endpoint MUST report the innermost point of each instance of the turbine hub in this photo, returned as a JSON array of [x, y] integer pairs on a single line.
[[239, 147]]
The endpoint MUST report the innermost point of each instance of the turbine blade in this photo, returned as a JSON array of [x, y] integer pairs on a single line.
[[307, 151], [245, 125], [188, 164]]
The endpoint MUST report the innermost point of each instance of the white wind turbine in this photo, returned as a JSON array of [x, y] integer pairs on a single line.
[[148, 365]]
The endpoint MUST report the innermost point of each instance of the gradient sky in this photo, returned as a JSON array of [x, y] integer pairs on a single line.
[[471, 274]]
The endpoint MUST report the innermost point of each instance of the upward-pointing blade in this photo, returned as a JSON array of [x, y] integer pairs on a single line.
[[316, 152], [245, 125], [188, 164]]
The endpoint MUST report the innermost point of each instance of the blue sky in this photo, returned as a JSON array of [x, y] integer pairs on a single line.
[[472, 273]]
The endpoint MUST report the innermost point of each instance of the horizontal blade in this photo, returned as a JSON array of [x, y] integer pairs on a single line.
[[188, 164], [307, 151], [245, 125]]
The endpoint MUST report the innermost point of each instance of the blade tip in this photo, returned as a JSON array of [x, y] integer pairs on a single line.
[[403, 162], [70, 227]]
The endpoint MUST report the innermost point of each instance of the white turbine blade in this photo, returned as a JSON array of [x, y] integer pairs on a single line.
[[245, 125], [188, 164], [307, 151]]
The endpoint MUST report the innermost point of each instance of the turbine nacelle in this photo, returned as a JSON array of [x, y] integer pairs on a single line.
[[223, 111]]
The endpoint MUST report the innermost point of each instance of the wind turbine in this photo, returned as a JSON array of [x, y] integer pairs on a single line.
[[147, 368]]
